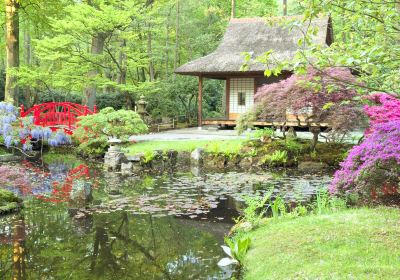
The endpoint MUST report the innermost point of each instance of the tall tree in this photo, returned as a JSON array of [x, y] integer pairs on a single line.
[[284, 7], [12, 50]]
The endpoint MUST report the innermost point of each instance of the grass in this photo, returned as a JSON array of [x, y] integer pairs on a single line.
[[350, 244], [224, 146]]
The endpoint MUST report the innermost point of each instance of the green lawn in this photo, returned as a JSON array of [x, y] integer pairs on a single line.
[[352, 244], [214, 145]]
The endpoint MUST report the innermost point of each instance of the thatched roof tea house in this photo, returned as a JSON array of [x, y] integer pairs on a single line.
[[253, 36]]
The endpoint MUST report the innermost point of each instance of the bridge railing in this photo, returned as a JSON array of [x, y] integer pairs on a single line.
[[56, 114]]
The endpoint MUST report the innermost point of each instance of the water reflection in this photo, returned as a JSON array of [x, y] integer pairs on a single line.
[[167, 226], [116, 245]]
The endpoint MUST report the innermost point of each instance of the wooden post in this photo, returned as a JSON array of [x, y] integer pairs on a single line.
[[227, 97], [199, 103]]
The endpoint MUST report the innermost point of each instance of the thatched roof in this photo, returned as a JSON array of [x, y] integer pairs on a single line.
[[256, 37]]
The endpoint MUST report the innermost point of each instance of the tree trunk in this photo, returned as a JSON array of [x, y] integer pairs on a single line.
[[233, 9], [96, 49], [12, 50], [29, 94], [176, 60], [167, 45], [150, 54], [284, 7], [315, 131], [122, 75]]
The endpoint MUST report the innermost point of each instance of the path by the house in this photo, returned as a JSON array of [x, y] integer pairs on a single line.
[[194, 133]]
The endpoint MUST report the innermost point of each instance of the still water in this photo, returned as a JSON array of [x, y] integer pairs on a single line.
[[167, 226]]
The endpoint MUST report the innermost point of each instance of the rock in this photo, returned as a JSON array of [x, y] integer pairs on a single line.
[[9, 158], [113, 159], [81, 193], [265, 139], [127, 168], [171, 158], [246, 163], [135, 158], [137, 168], [157, 165], [311, 166], [216, 161], [197, 156], [195, 170], [183, 158]]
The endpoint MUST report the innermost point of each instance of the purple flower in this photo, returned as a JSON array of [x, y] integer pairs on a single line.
[[37, 133], [8, 141], [47, 133], [379, 151]]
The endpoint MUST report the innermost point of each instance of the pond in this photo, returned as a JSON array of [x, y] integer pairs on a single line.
[[168, 226]]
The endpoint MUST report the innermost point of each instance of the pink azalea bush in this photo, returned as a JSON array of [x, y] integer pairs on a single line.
[[388, 109], [372, 168]]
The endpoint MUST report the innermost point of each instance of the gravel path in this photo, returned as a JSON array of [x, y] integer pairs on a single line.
[[186, 134]]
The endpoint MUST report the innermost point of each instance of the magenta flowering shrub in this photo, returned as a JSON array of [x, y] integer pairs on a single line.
[[373, 164], [387, 108], [372, 168]]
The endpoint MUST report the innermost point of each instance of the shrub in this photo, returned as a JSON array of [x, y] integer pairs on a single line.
[[93, 131], [386, 108], [372, 169], [278, 158], [317, 97]]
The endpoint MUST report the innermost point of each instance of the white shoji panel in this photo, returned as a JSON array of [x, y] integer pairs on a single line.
[[237, 85]]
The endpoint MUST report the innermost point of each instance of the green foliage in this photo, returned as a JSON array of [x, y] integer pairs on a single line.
[[264, 132], [255, 208], [293, 146], [238, 247], [107, 99], [278, 158], [371, 52], [8, 201], [219, 146], [93, 131], [325, 203], [148, 157], [245, 121], [278, 207]]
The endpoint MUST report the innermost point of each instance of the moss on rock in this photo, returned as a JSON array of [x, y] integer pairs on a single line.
[[8, 201]]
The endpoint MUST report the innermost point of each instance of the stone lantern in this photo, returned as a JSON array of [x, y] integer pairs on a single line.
[[141, 106], [114, 156]]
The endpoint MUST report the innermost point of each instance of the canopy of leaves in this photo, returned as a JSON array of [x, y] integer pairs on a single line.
[[366, 36], [320, 97], [93, 131]]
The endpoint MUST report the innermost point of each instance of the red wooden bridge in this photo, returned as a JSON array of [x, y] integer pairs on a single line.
[[57, 115]]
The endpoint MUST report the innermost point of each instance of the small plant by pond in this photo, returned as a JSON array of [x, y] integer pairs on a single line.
[[93, 131]]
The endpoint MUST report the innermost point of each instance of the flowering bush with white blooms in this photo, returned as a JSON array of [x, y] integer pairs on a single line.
[[22, 133]]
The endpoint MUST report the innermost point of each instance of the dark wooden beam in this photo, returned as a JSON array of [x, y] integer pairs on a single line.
[[200, 103], [227, 96]]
